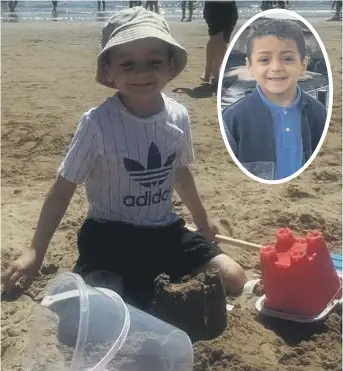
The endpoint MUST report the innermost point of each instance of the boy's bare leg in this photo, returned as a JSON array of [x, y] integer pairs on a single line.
[[232, 273]]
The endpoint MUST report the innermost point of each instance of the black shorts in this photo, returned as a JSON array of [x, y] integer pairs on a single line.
[[221, 17], [139, 254]]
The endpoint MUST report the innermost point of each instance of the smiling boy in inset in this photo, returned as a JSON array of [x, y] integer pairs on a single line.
[[275, 130]]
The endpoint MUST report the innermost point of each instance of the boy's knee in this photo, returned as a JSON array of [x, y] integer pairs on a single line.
[[232, 273]]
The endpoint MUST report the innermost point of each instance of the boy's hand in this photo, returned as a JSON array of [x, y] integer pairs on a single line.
[[25, 267], [208, 230]]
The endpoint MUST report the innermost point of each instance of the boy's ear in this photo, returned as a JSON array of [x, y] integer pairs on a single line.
[[248, 65], [107, 73], [304, 66]]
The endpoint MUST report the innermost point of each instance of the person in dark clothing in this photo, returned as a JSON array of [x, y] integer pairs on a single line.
[[338, 14], [54, 6], [221, 18], [135, 3], [274, 4], [152, 6], [12, 5], [189, 5], [103, 5], [280, 4], [266, 5]]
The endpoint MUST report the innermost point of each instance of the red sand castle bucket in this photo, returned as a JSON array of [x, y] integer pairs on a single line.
[[298, 274]]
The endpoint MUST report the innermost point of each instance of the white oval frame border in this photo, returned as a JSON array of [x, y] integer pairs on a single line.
[[292, 15]]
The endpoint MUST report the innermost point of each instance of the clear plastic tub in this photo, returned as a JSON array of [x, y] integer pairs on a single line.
[[79, 327]]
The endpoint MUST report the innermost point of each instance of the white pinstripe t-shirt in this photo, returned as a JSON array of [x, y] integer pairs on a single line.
[[126, 162]]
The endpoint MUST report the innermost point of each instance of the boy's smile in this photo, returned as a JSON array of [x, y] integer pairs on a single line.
[[276, 65], [141, 87]]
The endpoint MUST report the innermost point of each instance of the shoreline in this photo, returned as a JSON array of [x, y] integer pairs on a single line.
[[100, 23]]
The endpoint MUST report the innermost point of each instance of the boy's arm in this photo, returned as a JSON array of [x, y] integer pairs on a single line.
[[186, 189], [53, 209], [75, 169], [185, 186]]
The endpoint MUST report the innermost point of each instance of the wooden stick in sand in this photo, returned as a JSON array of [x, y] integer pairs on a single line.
[[232, 241]]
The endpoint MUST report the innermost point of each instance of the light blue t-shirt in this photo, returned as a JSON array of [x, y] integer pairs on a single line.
[[287, 135]]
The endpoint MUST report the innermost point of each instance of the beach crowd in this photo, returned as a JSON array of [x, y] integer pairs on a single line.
[[185, 5]]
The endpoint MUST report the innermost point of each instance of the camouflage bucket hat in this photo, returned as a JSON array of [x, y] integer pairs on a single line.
[[133, 24]]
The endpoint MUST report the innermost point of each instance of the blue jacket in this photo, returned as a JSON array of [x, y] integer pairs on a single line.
[[249, 129]]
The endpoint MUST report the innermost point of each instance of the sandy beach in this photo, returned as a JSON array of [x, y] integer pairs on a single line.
[[48, 81]]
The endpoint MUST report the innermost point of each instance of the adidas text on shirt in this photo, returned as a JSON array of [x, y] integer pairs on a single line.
[[127, 162]]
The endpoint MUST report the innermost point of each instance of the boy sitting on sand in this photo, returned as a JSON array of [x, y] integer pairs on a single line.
[[131, 152], [275, 130]]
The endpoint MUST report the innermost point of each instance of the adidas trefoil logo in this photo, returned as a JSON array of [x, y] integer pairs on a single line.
[[154, 174]]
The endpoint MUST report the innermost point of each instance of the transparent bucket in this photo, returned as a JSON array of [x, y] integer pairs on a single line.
[[79, 327]]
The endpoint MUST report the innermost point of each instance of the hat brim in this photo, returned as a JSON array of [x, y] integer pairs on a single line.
[[137, 33]]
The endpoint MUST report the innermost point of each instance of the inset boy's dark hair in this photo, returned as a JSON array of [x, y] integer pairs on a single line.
[[281, 28]]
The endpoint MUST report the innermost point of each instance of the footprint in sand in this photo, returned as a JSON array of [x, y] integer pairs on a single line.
[[331, 175], [296, 192]]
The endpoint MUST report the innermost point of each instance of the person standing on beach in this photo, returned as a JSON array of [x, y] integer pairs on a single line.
[[280, 4], [135, 3], [266, 5], [152, 5], [190, 6], [338, 15], [54, 6], [12, 5], [274, 4], [103, 5], [221, 18], [131, 153]]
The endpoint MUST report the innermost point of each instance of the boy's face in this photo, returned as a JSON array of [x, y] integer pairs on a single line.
[[140, 69], [276, 65]]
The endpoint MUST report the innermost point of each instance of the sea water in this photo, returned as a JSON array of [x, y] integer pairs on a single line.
[[77, 10]]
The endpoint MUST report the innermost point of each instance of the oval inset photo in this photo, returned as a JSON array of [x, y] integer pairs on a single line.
[[275, 96]]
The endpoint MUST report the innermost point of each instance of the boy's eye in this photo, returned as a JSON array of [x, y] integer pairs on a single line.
[[264, 60], [156, 62], [288, 59], [127, 65]]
